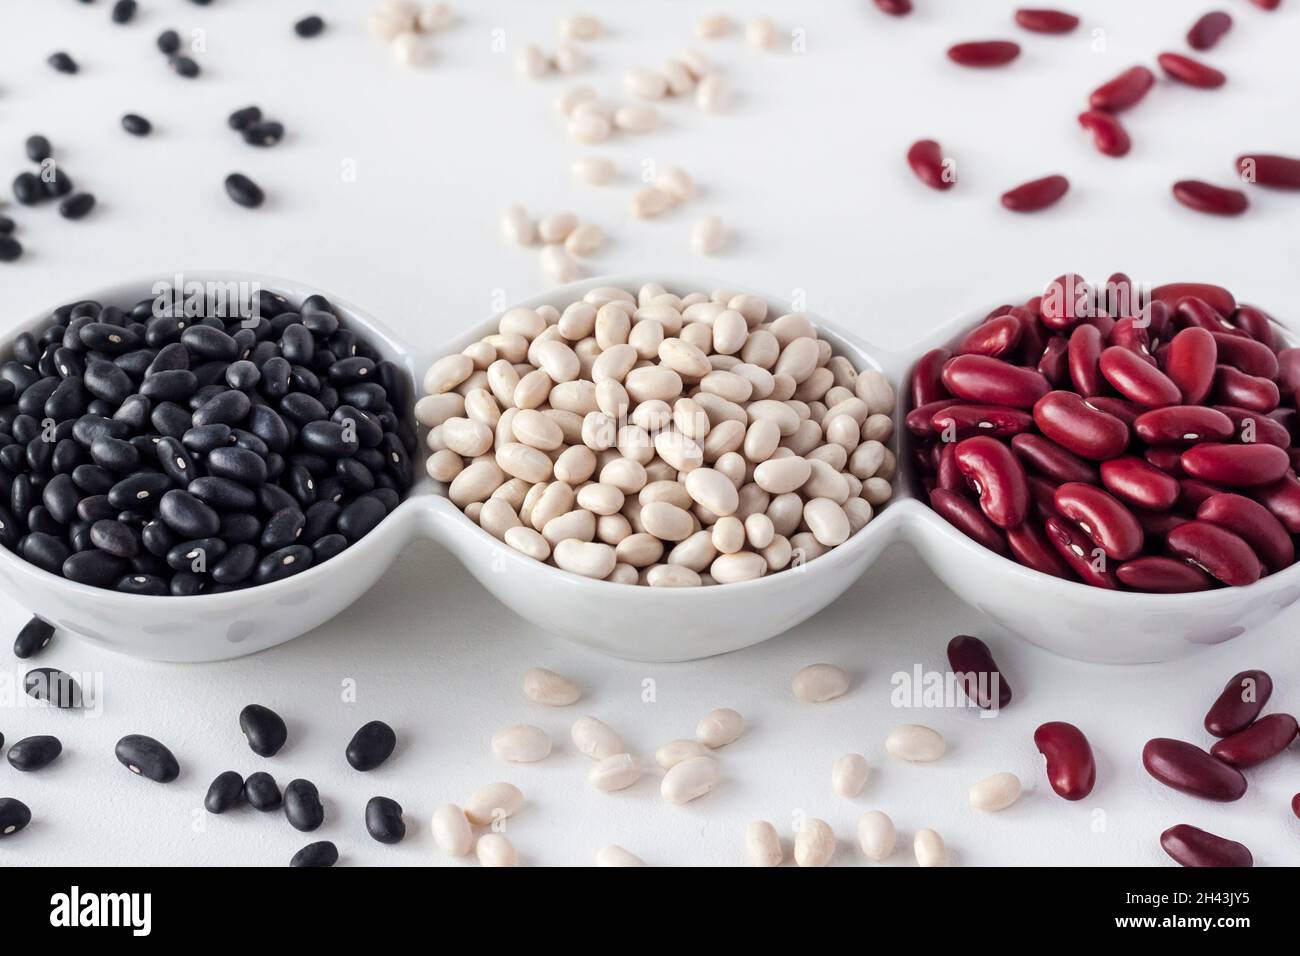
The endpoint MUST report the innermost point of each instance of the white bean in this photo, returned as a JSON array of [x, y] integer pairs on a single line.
[[712, 95], [849, 775], [763, 844], [496, 801], [995, 793], [708, 236], [915, 743], [544, 686], [531, 62], [586, 240], [614, 855], [615, 772], [648, 202], [451, 830], [719, 727], [675, 751], [595, 739], [521, 743], [814, 844], [493, 849], [817, 683], [876, 835], [594, 171], [929, 849], [690, 779]]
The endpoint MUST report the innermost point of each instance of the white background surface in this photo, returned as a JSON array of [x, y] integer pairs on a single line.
[[808, 170]]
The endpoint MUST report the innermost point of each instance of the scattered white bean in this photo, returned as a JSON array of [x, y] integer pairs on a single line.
[[493, 849], [531, 62], [586, 240], [581, 27], [708, 236], [558, 265], [517, 227], [675, 751], [596, 739], [849, 775], [818, 683], [409, 49], [649, 201], [594, 170], [876, 835], [763, 844], [814, 844], [493, 802], [915, 743], [690, 779], [713, 27], [451, 831], [719, 727], [996, 792], [521, 743], [760, 33], [616, 772], [929, 849], [712, 94], [614, 855], [637, 118]]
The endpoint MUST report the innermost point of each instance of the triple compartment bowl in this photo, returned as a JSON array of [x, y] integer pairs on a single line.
[[628, 621]]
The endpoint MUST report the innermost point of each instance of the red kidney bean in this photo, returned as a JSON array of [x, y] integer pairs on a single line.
[[1120, 298], [1217, 296], [1208, 30], [1264, 169], [1236, 465], [1071, 769], [1192, 846], [947, 475], [1079, 553], [1288, 361], [1162, 575], [1253, 427], [1068, 420], [1046, 21], [1032, 342], [997, 477], [1044, 494], [990, 381], [1123, 91], [994, 337], [972, 662], [1188, 768], [1190, 362], [1030, 547], [1128, 334], [1206, 197], [1232, 387], [1109, 524], [1048, 458], [1254, 524], [1282, 499], [1256, 323], [1158, 524], [1295, 804], [1167, 458], [1138, 380], [1267, 4], [895, 8], [1036, 194], [968, 519], [926, 159], [984, 53], [919, 419], [1183, 425], [1191, 72], [927, 382], [1215, 550], [1120, 408], [1155, 315], [1138, 483], [957, 422], [1054, 365], [1193, 493], [1084, 354], [1108, 134], [1066, 300], [1246, 355], [1262, 740], [1193, 311]]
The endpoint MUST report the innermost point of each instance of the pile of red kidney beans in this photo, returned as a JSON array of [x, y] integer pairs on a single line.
[[1126, 440]]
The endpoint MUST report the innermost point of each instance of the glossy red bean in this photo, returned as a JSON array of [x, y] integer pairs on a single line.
[[1079, 553], [1206, 197], [1136, 482], [1102, 517], [1046, 21], [895, 8], [1208, 30], [1190, 363], [1282, 499], [1236, 466], [1288, 361], [1188, 768], [1251, 427], [1030, 547], [1054, 365], [1050, 459], [1071, 422], [1246, 355], [997, 477], [990, 381], [1123, 91], [1036, 194], [1254, 524], [1084, 354], [947, 475], [1138, 380], [967, 518], [1120, 408], [1158, 524], [1043, 493], [984, 53], [1256, 323], [1167, 458], [1192, 846], [1071, 769], [977, 672], [1108, 133], [957, 422], [1232, 387], [1215, 550], [1162, 575], [1195, 312], [926, 159], [1192, 72], [1295, 804], [1219, 298], [1128, 334], [927, 382], [1266, 169], [1262, 740], [1267, 4], [1155, 316], [1183, 425], [995, 337], [919, 419], [1192, 493]]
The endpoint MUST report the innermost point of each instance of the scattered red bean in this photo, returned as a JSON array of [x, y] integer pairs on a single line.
[[1124, 91], [1267, 4], [972, 662], [1264, 169], [1295, 804], [984, 53], [1192, 846], [1262, 740], [1208, 30], [1240, 702], [1036, 194], [1071, 769], [1046, 21], [895, 8], [1191, 72], [1206, 197], [1108, 135], [926, 159], [1188, 768]]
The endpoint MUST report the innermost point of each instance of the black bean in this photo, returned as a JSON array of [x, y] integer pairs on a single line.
[[169, 41], [38, 148], [262, 792], [263, 422], [33, 753], [240, 528], [14, 815], [186, 583], [223, 494], [78, 206], [384, 820], [175, 460], [360, 517], [140, 491], [28, 189], [62, 62], [95, 567], [321, 853], [106, 337], [10, 249], [116, 538], [188, 516], [264, 729], [33, 638], [244, 191], [123, 11], [115, 455], [371, 745], [6, 226], [309, 26], [282, 529], [328, 546], [236, 566], [225, 408], [302, 806], [242, 119], [109, 382], [183, 66], [147, 757], [237, 464], [196, 556], [55, 183], [201, 439], [224, 792], [150, 584], [136, 125], [61, 497], [243, 375], [44, 551], [170, 419], [264, 133], [55, 687], [283, 563]]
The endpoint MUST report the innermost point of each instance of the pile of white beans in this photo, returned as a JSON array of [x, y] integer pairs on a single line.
[[661, 439]]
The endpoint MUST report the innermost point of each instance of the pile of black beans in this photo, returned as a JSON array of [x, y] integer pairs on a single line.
[[159, 454]]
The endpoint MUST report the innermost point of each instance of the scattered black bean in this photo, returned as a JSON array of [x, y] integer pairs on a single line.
[[124, 11], [384, 820], [77, 207], [265, 133], [224, 792], [38, 148], [371, 745], [169, 41], [147, 757], [321, 853], [10, 248], [262, 792], [302, 806], [243, 190], [6, 225], [33, 753], [33, 638], [28, 189], [264, 729], [242, 119], [309, 26], [62, 62], [184, 66], [53, 686], [136, 125], [14, 815], [55, 183]]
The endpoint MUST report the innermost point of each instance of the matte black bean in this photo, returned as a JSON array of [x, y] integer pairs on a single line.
[[184, 66], [360, 517], [14, 457], [267, 425], [33, 753], [40, 520], [237, 565], [94, 508], [147, 757], [157, 538], [237, 464], [106, 381], [319, 854], [371, 745], [368, 429], [226, 408], [136, 363], [370, 397], [283, 563], [302, 409], [203, 438], [45, 551], [116, 538], [90, 427], [14, 815], [6, 225], [249, 442], [168, 42], [33, 638], [38, 148], [309, 26], [354, 475], [244, 191], [387, 497], [302, 806], [139, 491], [170, 419], [209, 343], [239, 527], [243, 375], [113, 339], [115, 454], [224, 792], [56, 183], [24, 494], [94, 567], [67, 456], [276, 375], [262, 792], [62, 62], [10, 248], [297, 345], [186, 583], [32, 401], [273, 498], [55, 687], [196, 556], [61, 497], [282, 529], [264, 729], [136, 125], [300, 485], [265, 133], [328, 546], [123, 11], [170, 385], [350, 371], [134, 412], [147, 584], [322, 517], [223, 494], [175, 460], [68, 400], [77, 206], [384, 820], [241, 119], [187, 515], [302, 379]]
